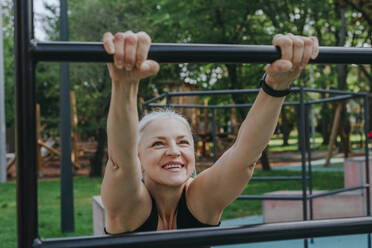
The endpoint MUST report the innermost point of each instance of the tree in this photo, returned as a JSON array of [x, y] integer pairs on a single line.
[[236, 22], [8, 49]]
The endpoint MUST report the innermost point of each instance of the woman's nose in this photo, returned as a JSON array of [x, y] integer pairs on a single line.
[[173, 150]]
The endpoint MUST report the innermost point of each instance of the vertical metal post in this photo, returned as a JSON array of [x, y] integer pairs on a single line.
[[308, 149], [303, 157], [311, 79], [368, 189], [308, 109], [2, 108], [67, 202], [214, 135], [142, 112], [167, 100], [25, 125]]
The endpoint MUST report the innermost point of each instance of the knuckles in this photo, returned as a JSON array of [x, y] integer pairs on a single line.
[[298, 42], [308, 41], [284, 41], [143, 37], [119, 36]]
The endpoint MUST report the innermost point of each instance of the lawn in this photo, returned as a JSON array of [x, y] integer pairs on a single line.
[[276, 143], [85, 188]]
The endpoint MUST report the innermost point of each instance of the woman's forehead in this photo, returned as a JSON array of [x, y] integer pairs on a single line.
[[165, 128]]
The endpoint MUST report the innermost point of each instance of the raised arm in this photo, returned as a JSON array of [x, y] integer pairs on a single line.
[[225, 180], [124, 196]]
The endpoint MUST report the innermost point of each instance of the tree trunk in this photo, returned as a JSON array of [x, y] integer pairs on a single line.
[[239, 98], [265, 161], [96, 161], [341, 77], [285, 127]]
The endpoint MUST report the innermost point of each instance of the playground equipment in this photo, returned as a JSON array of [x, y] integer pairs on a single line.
[[29, 52]]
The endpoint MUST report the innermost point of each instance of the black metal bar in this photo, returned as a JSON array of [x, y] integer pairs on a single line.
[[200, 106], [214, 135], [27, 214], [308, 150], [329, 99], [303, 151], [195, 53], [368, 189], [213, 92], [154, 99], [332, 91], [67, 199], [303, 156], [167, 99], [271, 197], [366, 129], [337, 191], [276, 178], [245, 91], [217, 236], [248, 105]]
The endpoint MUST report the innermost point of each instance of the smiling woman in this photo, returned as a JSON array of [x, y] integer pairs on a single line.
[[148, 183]]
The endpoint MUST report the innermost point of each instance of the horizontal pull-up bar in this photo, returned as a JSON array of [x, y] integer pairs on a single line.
[[194, 53], [217, 236]]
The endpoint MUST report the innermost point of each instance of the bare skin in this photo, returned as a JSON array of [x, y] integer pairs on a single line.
[[165, 154]]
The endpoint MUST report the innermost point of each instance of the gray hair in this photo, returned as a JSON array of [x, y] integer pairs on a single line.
[[160, 115]]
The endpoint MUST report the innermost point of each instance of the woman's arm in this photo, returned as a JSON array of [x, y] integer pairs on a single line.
[[124, 196], [218, 186]]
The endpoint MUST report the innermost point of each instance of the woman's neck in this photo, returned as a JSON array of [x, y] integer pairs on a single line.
[[166, 198]]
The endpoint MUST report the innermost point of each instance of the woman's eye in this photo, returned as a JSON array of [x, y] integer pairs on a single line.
[[158, 143], [184, 142]]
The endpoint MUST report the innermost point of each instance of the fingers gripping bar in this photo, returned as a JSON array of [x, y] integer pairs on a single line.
[[194, 53]]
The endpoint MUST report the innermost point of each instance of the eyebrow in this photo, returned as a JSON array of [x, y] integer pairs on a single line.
[[164, 138]]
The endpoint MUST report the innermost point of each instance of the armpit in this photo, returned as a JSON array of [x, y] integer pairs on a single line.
[[252, 166]]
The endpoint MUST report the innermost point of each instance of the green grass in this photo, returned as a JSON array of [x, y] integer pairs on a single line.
[[85, 188], [49, 213], [276, 143]]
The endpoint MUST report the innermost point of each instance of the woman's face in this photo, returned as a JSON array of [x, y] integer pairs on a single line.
[[166, 152]]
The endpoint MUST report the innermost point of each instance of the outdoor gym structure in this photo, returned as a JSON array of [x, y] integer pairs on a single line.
[[303, 119], [29, 52]]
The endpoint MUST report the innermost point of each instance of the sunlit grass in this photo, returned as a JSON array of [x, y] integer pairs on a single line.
[[84, 188]]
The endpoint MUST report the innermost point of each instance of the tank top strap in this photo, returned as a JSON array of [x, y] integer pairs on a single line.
[[185, 219], [151, 224]]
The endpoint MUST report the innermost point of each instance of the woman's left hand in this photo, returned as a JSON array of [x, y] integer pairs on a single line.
[[296, 52]]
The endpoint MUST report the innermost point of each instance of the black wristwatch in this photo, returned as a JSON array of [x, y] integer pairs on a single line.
[[270, 91]]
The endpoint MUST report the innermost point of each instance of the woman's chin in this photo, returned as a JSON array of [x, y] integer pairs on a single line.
[[175, 181]]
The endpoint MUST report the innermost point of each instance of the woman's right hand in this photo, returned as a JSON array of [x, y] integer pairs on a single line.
[[130, 52]]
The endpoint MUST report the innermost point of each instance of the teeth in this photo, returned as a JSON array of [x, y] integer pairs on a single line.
[[168, 166]]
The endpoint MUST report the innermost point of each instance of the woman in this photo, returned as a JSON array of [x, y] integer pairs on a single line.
[[161, 149]]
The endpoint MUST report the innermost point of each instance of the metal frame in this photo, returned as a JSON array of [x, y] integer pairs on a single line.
[[304, 137], [304, 140], [29, 52]]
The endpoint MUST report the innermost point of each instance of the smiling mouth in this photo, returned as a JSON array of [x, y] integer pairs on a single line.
[[173, 166]]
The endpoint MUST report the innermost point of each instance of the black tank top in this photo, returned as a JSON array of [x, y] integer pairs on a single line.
[[185, 219]]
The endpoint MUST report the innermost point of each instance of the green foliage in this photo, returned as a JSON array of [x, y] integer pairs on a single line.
[[8, 57], [234, 22], [49, 213]]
